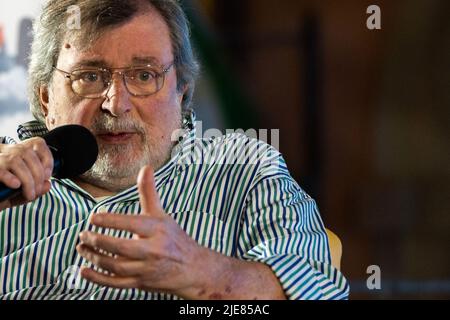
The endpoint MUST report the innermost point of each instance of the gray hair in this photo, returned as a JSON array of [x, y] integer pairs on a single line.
[[50, 30]]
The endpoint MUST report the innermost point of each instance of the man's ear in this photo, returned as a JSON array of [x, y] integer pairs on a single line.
[[182, 94], [44, 102], [44, 99]]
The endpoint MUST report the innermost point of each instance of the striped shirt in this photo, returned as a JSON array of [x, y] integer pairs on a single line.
[[232, 194]]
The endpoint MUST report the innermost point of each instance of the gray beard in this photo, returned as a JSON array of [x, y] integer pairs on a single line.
[[107, 175], [113, 175]]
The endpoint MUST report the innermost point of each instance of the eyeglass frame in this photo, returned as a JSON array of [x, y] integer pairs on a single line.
[[165, 70]]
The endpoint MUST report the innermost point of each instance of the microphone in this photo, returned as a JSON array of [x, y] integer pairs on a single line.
[[74, 151]]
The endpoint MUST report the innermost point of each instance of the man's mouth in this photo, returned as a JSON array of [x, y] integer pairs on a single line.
[[116, 137]]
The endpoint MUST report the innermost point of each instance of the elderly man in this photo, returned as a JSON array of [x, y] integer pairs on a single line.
[[193, 226]]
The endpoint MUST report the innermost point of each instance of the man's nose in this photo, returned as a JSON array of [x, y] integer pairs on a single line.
[[117, 98]]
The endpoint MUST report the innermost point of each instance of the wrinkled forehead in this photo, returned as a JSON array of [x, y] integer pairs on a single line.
[[85, 23], [144, 36], [92, 27]]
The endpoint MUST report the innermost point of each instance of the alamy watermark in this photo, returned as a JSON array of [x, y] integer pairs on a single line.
[[71, 278], [234, 146], [374, 20], [74, 18], [374, 280]]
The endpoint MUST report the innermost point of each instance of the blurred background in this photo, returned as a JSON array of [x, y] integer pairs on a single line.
[[363, 116]]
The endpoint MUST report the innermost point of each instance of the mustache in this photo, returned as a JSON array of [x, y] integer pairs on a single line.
[[104, 124]]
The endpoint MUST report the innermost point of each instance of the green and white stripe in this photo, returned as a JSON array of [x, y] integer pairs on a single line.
[[249, 208]]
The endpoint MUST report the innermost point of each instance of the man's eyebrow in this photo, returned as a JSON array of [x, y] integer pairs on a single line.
[[98, 63], [146, 60]]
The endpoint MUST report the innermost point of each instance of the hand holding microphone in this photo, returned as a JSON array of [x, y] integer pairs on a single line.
[[25, 168]]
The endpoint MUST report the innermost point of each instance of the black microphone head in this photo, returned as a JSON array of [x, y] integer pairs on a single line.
[[74, 147]]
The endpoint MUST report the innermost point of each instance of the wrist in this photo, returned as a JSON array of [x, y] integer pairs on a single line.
[[211, 276]]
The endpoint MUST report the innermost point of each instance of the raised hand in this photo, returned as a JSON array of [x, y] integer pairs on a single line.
[[160, 257]]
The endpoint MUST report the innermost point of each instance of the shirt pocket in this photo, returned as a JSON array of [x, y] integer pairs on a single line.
[[206, 229]]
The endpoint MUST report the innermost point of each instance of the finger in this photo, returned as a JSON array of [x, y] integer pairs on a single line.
[[9, 180], [37, 170], [107, 280], [129, 248], [19, 199], [46, 187], [45, 156], [139, 225], [118, 266], [148, 195], [22, 172]]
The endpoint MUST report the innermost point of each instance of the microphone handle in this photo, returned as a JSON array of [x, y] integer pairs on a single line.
[[7, 193]]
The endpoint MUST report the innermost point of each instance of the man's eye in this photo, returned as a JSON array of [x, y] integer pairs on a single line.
[[145, 75], [90, 76]]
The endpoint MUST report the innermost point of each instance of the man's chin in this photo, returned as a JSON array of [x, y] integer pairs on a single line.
[[119, 161], [117, 170], [115, 180]]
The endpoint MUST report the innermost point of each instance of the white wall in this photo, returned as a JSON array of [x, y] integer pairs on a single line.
[[13, 99]]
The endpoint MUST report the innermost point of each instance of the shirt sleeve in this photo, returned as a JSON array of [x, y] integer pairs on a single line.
[[7, 140], [282, 228]]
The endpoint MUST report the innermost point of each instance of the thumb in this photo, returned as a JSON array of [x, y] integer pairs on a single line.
[[148, 196]]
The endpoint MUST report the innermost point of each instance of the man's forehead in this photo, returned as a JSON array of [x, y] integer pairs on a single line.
[[96, 61], [122, 45]]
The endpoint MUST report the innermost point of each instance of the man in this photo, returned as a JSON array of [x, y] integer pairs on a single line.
[[196, 225]]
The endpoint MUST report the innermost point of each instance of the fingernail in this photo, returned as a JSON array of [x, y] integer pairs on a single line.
[[48, 173], [82, 236], [96, 219], [16, 182]]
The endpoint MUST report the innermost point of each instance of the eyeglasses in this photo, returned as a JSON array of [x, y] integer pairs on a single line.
[[94, 83]]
